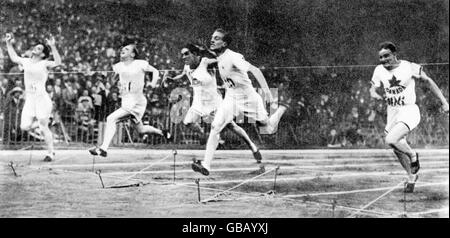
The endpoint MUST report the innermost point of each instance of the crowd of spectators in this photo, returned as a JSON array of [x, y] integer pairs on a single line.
[[330, 107]]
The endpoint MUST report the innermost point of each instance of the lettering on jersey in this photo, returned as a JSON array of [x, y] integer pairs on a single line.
[[179, 109], [394, 89], [396, 101]]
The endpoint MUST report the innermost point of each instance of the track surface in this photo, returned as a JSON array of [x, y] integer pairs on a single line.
[[308, 183]]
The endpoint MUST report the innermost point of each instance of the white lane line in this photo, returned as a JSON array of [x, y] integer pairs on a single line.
[[296, 161], [361, 190], [344, 175], [282, 168]]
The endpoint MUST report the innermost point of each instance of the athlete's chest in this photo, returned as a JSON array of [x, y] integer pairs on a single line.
[[35, 68], [399, 77], [199, 77], [129, 70], [226, 67]]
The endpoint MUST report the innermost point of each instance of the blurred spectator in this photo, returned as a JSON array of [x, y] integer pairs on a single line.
[[107, 89], [85, 96], [333, 139], [99, 99], [69, 98], [112, 103], [353, 117], [2, 95], [58, 87], [13, 111], [85, 120], [324, 99], [19, 83], [353, 136]]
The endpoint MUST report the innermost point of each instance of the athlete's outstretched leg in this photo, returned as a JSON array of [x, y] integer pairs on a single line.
[[146, 129], [27, 122], [396, 139], [221, 119], [48, 138], [110, 130], [270, 125], [213, 142], [243, 135], [191, 121]]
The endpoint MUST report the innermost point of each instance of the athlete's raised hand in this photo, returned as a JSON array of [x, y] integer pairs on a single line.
[[50, 41], [9, 38]]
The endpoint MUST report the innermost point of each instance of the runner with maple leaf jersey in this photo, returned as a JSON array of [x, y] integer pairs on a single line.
[[398, 78]]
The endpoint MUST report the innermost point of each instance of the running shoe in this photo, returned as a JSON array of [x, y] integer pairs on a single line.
[[198, 167], [415, 166], [98, 151], [257, 156]]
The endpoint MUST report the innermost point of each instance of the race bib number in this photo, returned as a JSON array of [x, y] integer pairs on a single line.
[[126, 87]]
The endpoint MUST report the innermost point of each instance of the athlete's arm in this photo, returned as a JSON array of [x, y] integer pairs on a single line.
[[177, 77], [115, 79], [11, 52], [373, 92], [434, 88], [205, 62], [261, 80], [52, 43], [155, 77], [375, 81]]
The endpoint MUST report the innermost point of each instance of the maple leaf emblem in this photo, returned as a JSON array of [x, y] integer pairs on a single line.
[[394, 82]]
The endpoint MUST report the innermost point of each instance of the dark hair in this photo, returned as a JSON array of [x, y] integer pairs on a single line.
[[199, 50], [194, 49], [45, 50], [226, 36], [388, 45], [135, 50]]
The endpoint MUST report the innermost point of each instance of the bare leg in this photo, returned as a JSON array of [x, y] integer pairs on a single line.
[[270, 125], [191, 121], [146, 129], [404, 153], [243, 135], [110, 129], [48, 135], [219, 122]]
